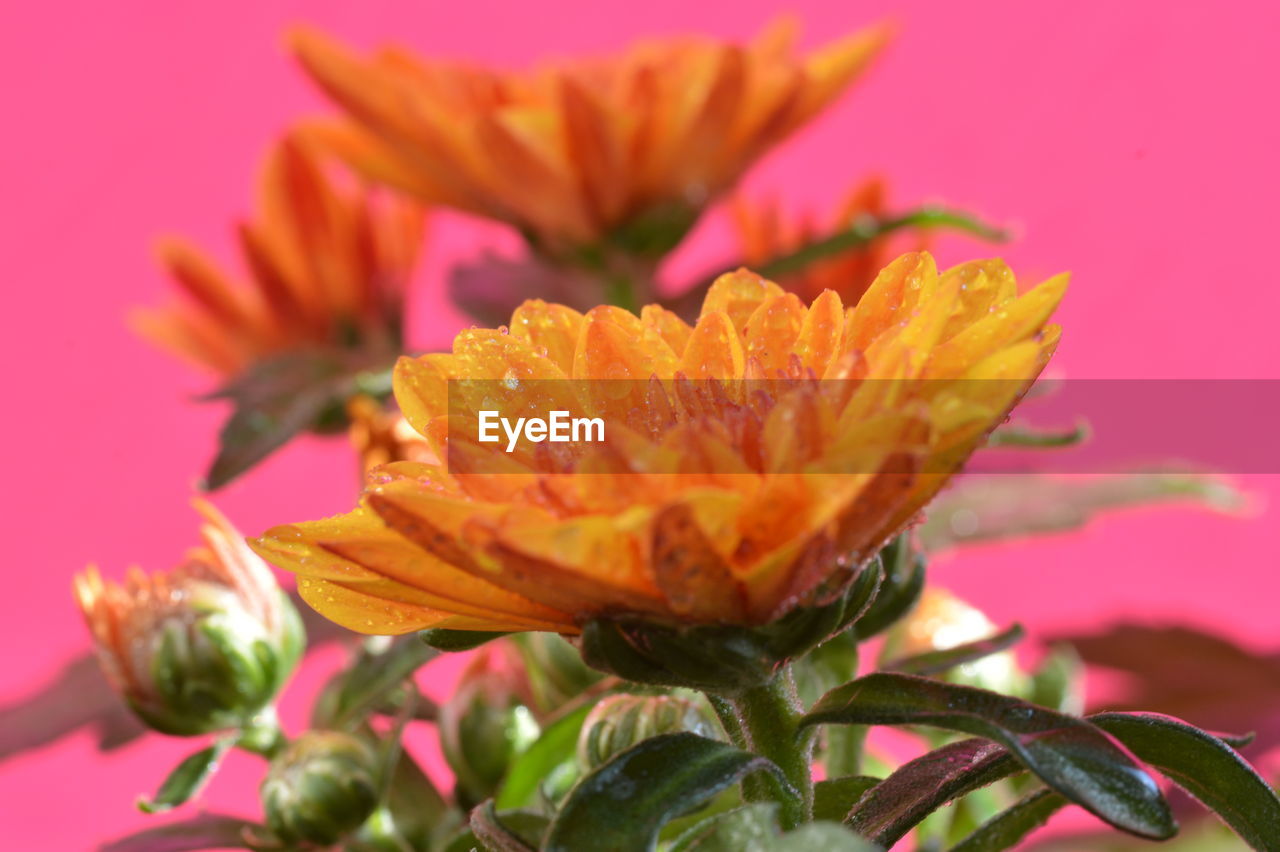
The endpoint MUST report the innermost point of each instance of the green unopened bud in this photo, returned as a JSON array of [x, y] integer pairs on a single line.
[[321, 788], [555, 669], [941, 621], [204, 648], [620, 721], [486, 722]]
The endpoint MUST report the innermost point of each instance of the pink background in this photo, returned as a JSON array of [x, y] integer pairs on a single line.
[[1132, 143]]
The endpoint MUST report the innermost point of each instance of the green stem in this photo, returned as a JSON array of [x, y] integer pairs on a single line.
[[864, 229], [763, 720], [620, 291], [263, 736], [844, 750]]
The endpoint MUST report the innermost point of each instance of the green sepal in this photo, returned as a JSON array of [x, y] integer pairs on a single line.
[[1070, 755], [835, 797], [624, 803], [655, 231], [937, 662], [903, 582], [722, 659], [456, 640], [188, 778]]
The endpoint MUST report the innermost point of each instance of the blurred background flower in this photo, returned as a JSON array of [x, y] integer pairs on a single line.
[[623, 151], [328, 267]]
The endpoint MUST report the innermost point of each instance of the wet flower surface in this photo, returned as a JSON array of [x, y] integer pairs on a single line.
[[708, 503]]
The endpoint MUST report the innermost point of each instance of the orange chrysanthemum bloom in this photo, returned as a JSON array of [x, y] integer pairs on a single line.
[[707, 504], [579, 152], [328, 267], [766, 233]]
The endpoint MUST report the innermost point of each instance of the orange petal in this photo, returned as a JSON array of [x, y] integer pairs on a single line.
[[738, 294], [714, 350], [551, 330]]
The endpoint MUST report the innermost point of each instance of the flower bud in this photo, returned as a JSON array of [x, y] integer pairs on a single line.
[[487, 721], [941, 621], [203, 648], [381, 436], [620, 721], [555, 669], [321, 788]]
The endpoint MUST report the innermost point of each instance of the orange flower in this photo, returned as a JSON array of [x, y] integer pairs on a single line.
[[580, 152], [328, 263], [704, 506], [381, 436], [203, 648], [765, 234]]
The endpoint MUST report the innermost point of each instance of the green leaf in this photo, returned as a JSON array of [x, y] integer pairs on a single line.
[[504, 834], [1191, 674], [78, 697], [1070, 755], [188, 778], [278, 398], [556, 747], [207, 831], [624, 803], [376, 671], [1205, 767], [835, 797], [1037, 439], [415, 803], [898, 592], [1010, 826], [456, 640], [887, 811], [857, 233], [985, 508], [936, 662]]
